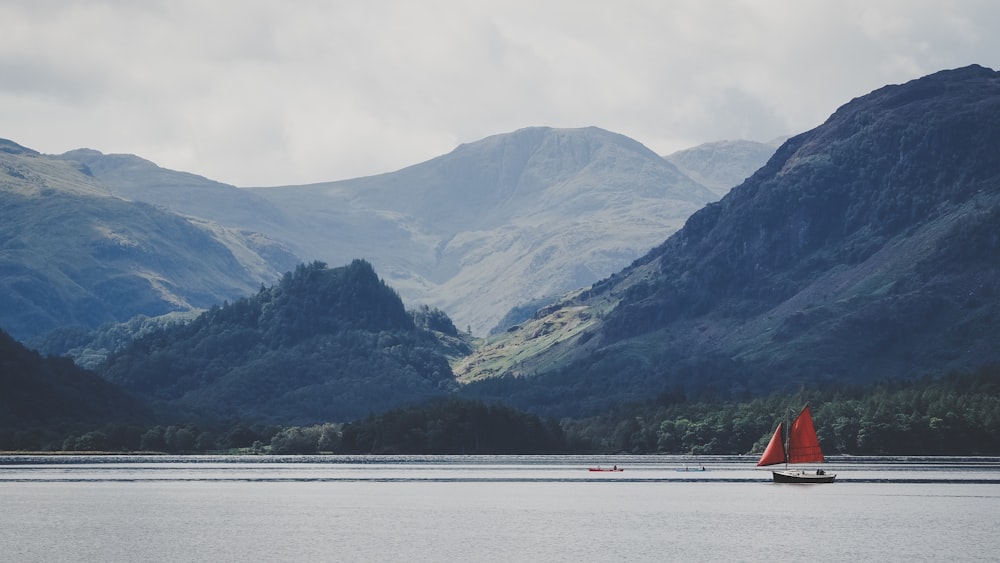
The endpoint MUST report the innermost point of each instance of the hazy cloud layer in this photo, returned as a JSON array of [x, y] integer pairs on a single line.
[[269, 93]]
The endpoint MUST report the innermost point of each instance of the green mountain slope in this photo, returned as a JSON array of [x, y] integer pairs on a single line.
[[864, 249], [72, 253], [322, 345]]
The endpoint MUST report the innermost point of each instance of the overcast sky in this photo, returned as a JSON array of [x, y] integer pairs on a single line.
[[257, 93]]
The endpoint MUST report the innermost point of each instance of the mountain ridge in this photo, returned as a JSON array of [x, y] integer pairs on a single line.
[[138, 179], [555, 208], [721, 165], [72, 252], [541, 205], [862, 249]]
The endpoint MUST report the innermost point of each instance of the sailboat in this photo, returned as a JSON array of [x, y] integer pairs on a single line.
[[802, 447]]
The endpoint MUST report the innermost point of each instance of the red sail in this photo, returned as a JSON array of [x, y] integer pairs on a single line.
[[803, 446], [775, 451]]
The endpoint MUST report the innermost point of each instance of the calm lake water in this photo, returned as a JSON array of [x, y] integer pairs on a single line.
[[506, 508]]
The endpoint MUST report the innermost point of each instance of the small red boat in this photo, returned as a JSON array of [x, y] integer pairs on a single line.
[[802, 447]]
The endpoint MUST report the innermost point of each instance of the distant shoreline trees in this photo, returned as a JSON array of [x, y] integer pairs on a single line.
[[955, 415]]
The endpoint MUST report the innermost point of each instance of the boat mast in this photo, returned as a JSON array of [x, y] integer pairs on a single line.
[[788, 434]]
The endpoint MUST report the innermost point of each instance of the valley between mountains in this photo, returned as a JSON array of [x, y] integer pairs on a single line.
[[559, 272]]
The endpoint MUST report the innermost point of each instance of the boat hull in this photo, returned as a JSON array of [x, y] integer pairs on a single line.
[[800, 476], [605, 470]]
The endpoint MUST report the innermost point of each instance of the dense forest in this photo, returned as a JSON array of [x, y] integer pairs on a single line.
[[324, 344], [45, 398], [955, 415]]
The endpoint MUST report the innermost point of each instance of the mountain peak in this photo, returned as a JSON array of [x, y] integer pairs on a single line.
[[720, 165], [579, 144], [324, 344], [864, 249], [116, 163], [554, 209], [959, 91]]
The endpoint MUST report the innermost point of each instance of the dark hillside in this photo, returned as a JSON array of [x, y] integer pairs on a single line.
[[48, 394], [863, 250], [322, 345], [869, 243], [898, 162]]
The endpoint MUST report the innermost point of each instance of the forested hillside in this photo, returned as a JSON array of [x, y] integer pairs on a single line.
[[42, 399], [955, 415], [324, 344]]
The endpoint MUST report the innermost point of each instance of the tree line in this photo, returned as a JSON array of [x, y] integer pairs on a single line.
[[448, 426], [956, 415]]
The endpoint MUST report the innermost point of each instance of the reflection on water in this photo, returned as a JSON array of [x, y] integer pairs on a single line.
[[175, 509], [68, 468]]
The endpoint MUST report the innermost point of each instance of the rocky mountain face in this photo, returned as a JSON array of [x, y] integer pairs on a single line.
[[721, 165], [499, 222], [74, 253], [865, 249]]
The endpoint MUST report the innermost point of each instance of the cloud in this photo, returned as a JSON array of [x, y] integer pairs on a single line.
[[268, 93]]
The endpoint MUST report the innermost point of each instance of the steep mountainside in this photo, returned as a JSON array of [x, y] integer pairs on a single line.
[[723, 164], [865, 249], [498, 222], [72, 253], [325, 344]]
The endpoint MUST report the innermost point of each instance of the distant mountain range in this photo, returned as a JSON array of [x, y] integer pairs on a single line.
[[504, 222], [865, 249], [721, 165], [72, 252], [499, 222]]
